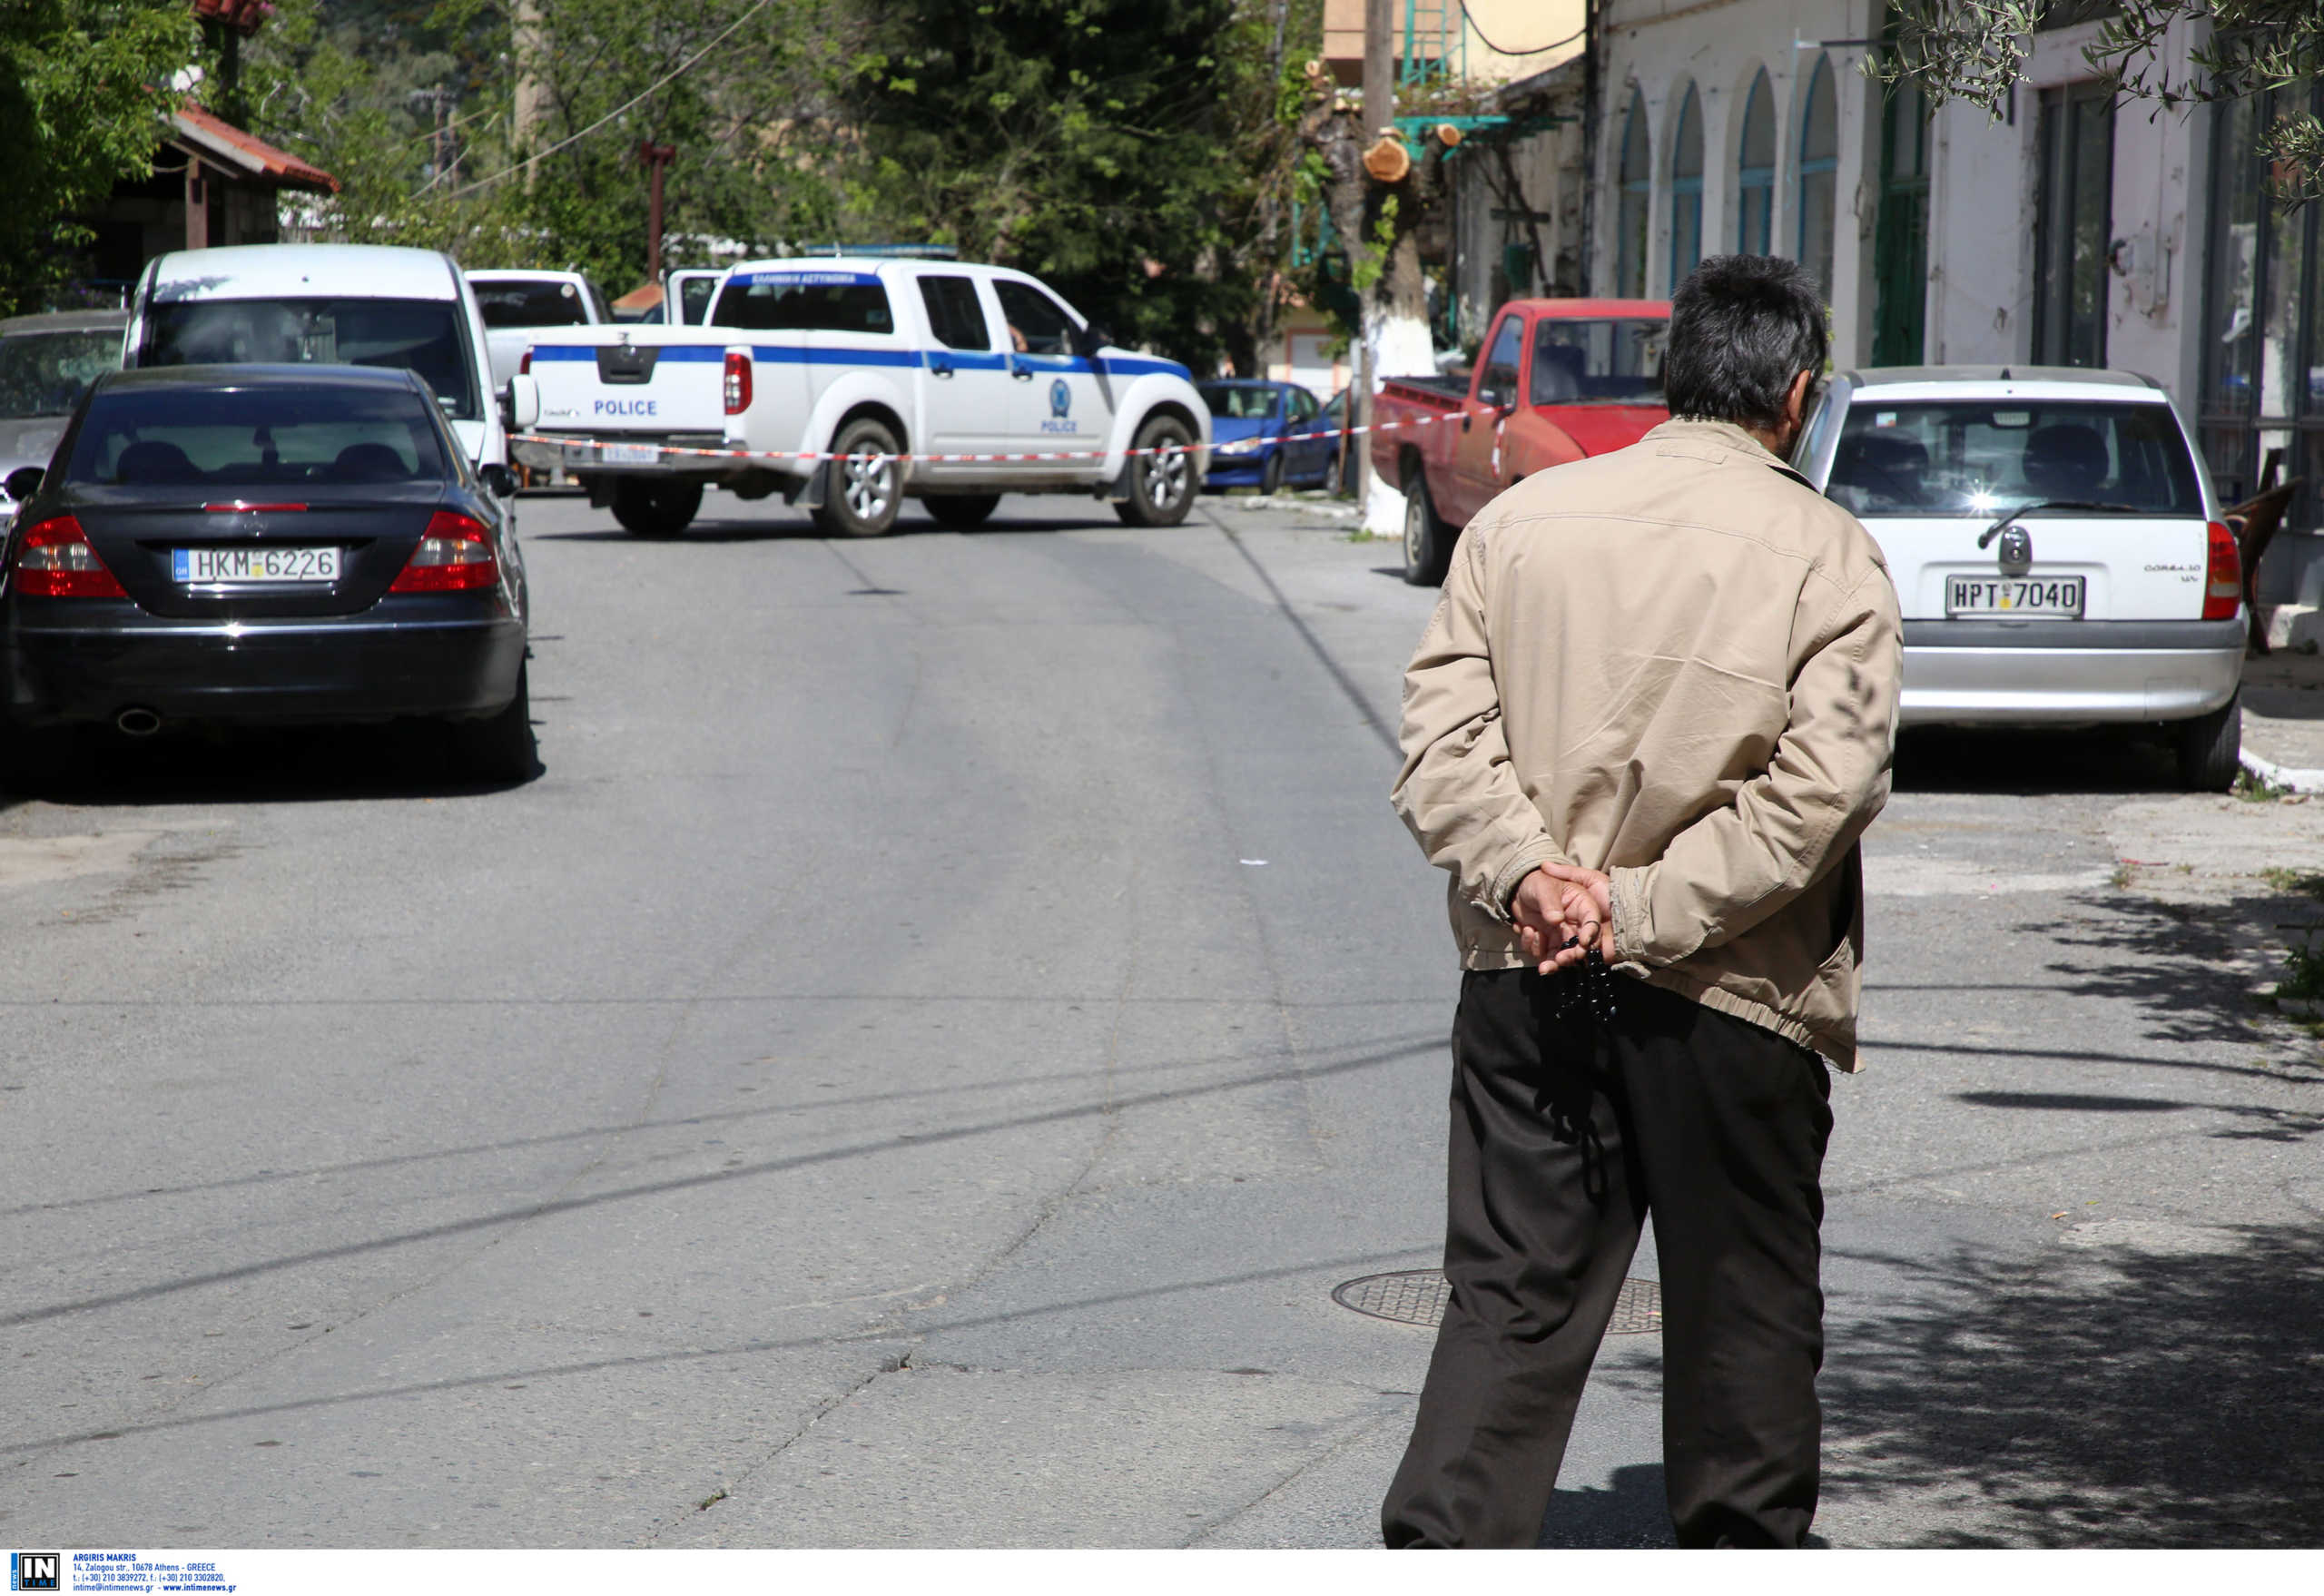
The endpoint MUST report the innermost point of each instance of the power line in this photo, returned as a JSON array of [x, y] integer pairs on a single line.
[[1469, 17], [672, 76]]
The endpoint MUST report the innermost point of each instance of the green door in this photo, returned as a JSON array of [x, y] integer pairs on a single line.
[[1900, 237]]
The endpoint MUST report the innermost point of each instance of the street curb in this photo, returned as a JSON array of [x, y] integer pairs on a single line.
[[1309, 506], [2276, 776]]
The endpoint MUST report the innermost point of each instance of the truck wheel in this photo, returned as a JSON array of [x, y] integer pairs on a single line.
[[2210, 747], [1271, 474], [1161, 484], [962, 512], [656, 507], [1427, 550], [865, 484]]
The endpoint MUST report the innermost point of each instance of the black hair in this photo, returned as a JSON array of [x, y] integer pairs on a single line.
[[1742, 329]]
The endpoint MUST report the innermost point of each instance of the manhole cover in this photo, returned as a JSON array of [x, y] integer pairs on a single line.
[[1416, 1297]]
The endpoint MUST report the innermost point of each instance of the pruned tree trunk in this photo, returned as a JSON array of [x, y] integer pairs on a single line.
[[1379, 224]]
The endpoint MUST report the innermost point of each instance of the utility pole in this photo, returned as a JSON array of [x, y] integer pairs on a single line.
[[528, 106], [1379, 112], [656, 157], [439, 107]]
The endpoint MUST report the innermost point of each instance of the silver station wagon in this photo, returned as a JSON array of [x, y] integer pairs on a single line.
[[2057, 553]]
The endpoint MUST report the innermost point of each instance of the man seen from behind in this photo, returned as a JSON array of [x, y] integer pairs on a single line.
[[1645, 728]]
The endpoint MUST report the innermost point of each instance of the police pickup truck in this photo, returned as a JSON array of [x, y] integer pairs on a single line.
[[849, 385]]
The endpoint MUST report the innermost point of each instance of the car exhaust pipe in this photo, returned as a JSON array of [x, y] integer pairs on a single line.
[[137, 723]]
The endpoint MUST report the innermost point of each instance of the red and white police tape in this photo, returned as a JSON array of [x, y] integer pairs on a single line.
[[1239, 446]]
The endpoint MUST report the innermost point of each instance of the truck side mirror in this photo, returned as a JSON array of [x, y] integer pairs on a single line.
[[1491, 398], [523, 410], [23, 483], [1091, 339], [499, 479]]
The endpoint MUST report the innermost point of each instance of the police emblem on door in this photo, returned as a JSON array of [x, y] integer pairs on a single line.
[[1060, 397]]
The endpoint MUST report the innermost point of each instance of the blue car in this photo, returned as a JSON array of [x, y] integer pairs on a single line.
[[1268, 434]]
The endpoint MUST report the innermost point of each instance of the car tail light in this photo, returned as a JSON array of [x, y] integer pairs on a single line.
[[2223, 583], [55, 560], [738, 383], [525, 366], [454, 554]]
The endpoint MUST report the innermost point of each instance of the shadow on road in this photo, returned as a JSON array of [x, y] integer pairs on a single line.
[[1948, 759], [2172, 1396], [2174, 962], [399, 759], [1631, 1512]]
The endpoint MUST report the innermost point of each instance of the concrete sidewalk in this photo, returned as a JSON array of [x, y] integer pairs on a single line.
[[2283, 709]]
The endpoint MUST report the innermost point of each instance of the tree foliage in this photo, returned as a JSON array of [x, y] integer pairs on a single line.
[[83, 95], [1113, 147], [1976, 51], [417, 114], [1130, 152]]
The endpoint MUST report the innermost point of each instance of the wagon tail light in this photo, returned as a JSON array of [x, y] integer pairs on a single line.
[[454, 554], [2223, 582], [55, 560], [738, 383]]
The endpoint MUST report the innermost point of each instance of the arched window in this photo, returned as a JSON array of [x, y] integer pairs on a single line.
[[1820, 157], [1636, 184], [1687, 189], [1755, 174]]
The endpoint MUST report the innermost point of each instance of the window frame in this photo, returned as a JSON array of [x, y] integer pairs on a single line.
[[1687, 188], [1635, 186], [1757, 181]]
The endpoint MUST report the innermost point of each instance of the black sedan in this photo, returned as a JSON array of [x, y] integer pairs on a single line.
[[271, 545]]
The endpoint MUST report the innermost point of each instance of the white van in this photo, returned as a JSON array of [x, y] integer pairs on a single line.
[[515, 304], [328, 305]]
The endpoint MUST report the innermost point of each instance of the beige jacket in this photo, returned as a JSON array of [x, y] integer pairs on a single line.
[[1678, 664]]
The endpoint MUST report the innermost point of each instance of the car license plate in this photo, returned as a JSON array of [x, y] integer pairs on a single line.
[[2036, 597], [631, 454], [197, 566]]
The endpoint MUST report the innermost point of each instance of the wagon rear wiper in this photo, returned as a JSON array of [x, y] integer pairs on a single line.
[[2006, 516]]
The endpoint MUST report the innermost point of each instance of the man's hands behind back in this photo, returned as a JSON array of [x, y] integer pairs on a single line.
[[1560, 913]]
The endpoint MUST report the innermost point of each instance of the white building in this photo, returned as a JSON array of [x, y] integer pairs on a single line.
[[2070, 231]]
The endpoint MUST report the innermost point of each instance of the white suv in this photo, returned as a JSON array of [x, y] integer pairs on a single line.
[[2057, 553]]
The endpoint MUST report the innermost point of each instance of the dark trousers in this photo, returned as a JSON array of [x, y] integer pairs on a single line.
[[1567, 1134]]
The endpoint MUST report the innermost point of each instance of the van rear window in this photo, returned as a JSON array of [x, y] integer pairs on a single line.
[[539, 302], [802, 303], [1978, 457], [410, 335]]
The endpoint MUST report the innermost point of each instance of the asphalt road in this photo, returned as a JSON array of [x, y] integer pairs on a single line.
[[914, 1067]]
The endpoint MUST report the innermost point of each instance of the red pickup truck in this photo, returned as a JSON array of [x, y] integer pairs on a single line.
[[1559, 380]]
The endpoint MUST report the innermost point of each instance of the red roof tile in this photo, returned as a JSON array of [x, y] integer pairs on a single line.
[[221, 140], [245, 16]]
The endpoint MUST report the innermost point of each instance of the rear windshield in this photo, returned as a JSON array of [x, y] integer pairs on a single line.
[[1985, 460], [542, 302], [46, 373], [1239, 404], [278, 435], [411, 335], [1598, 362], [813, 302]]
